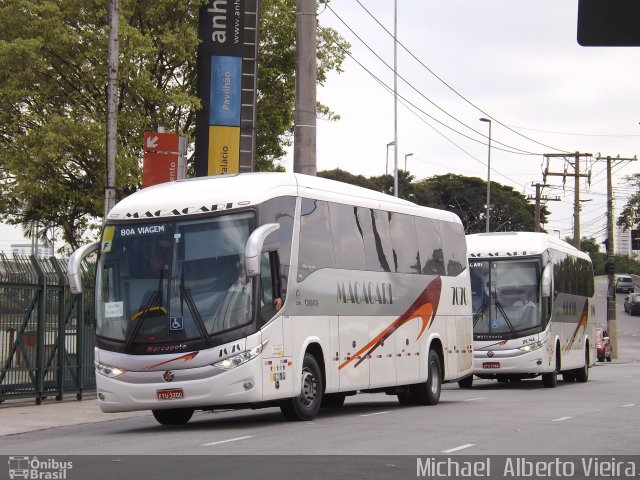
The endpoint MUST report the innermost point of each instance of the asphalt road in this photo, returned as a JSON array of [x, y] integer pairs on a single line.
[[600, 417]]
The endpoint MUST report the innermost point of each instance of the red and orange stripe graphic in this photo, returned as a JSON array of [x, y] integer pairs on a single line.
[[424, 308]]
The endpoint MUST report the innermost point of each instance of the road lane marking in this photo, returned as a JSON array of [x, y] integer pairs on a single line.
[[376, 413], [476, 398], [561, 419], [461, 447], [226, 441], [629, 405]]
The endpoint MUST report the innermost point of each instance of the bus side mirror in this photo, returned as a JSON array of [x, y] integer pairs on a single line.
[[254, 247], [547, 275], [74, 266]]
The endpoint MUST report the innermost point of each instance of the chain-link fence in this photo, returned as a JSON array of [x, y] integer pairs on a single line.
[[46, 333]]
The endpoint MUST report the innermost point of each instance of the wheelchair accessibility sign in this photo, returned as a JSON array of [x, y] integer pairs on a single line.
[[176, 323]]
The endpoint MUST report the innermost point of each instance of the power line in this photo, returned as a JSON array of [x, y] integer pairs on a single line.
[[517, 150], [453, 89]]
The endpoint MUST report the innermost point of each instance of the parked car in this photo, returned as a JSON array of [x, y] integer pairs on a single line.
[[603, 345], [632, 303], [624, 284]]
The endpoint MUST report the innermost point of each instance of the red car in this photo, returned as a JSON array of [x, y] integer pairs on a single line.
[[603, 345]]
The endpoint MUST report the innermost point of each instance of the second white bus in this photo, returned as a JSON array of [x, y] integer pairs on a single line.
[[533, 311]]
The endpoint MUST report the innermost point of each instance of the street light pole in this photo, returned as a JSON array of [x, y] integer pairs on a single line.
[[488, 173], [395, 96], [405, 160], [386, 168]]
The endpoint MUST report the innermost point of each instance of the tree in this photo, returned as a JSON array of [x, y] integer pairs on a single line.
[[630, 216], [466, 197], [53, 56], [346, 177]]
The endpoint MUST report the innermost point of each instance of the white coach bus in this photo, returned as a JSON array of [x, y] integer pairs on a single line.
[[266, 289], [533, 311]]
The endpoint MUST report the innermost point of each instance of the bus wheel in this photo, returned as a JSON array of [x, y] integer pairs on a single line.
[[173, 416], [568, 376], [306, 405], [550, 380], [428, 393], [333, 400], [466, 382], [582, 373]]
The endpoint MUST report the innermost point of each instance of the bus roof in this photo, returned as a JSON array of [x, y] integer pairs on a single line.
[[513, 244], [227, 192]]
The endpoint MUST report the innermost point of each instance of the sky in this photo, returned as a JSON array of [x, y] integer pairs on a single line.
[[517, 62]]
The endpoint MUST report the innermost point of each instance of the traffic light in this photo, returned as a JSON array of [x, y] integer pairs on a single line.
[[635, 239]]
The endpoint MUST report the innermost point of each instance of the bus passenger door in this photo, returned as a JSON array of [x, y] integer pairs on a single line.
[[354, 368], [452, 348], [464, 343]]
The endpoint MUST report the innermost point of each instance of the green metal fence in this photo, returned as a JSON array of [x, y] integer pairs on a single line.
[[46, 333]]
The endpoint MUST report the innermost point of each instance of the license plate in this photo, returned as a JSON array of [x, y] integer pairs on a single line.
[[491, 365], [170, 394]]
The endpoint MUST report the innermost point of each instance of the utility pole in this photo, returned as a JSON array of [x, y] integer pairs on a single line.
[[612, 323], [538, 199], [304, 136], [112, 107], [577, 175]]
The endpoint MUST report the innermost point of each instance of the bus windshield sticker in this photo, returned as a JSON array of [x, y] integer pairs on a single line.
[[107, 239], [113, 309]]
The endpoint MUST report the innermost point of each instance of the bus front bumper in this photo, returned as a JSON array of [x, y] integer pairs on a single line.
[[508, 362], [200, 387]]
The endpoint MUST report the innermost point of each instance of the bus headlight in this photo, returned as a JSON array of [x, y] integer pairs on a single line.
[[244, 357], [530, 347], [108, 371]]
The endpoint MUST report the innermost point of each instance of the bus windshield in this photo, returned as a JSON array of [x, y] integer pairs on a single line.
[[506, 297], [175, 281]]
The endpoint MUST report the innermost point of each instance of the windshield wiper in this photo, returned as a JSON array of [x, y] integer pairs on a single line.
[[505, 316], [480, 313], [153, 304], [185, 295]]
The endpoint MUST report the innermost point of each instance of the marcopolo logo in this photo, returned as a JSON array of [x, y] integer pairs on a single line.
[[38, 469]]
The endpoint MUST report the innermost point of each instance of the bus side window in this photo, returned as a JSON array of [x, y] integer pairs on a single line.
[[270, 289]]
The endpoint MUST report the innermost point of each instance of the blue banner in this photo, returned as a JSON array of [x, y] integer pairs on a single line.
[[226, 89]]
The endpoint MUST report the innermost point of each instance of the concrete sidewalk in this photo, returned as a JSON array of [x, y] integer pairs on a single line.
[[20, 416]]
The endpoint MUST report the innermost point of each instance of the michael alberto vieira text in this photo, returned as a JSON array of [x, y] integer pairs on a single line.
[[521, 467]]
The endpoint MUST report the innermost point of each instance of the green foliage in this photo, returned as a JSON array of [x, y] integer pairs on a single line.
[[625, 264], [466, 196], [630, 216], [53, 75]]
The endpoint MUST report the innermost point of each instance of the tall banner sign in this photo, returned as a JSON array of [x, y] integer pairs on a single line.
[[225, 129]]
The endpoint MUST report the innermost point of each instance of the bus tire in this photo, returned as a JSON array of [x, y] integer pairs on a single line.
[[306, 405], [332, 400], [466, 382], [550, 380], [173, 416], [582, 373], [428, 393], [569, 376]]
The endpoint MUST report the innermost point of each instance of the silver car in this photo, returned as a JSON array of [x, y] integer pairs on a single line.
[[624, 284]]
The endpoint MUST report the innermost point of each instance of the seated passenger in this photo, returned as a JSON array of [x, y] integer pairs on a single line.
[[523, 300]]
